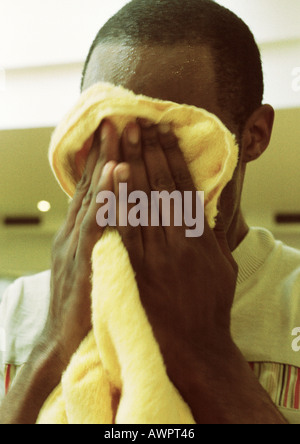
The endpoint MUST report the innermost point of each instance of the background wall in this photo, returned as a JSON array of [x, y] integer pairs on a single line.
[[43, 46]]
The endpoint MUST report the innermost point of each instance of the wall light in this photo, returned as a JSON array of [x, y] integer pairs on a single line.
[[44, 206]]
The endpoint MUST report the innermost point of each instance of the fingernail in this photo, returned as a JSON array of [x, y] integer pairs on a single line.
[[133, 134], [164, 128], [123, 172], [107, 168]]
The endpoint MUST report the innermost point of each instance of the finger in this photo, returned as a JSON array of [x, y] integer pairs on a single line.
[[129, 231], [193, 205], [131, 146], [105, 142], [170, 202], [82, 188], [159, 175], [90, 231], [108, 149], [109, 142], [132, 154], [176, 161]]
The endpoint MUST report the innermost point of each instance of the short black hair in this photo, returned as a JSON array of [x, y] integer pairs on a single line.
[[236, 55]]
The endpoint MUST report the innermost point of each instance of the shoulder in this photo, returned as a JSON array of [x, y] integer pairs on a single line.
[[23, 313], [271, 273], [284, 264], [291, 255], [25, 290], [266, 308], [263, 258]]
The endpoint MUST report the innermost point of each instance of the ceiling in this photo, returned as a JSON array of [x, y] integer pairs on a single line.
[[272, 184]]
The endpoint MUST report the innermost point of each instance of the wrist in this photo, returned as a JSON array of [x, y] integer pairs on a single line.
[[48, 361], [202, 357], [32, 386], [44, 371], [54, 347], [198, 363], [220, 388]]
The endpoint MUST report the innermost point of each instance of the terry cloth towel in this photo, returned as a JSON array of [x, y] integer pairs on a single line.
[[120, 356]]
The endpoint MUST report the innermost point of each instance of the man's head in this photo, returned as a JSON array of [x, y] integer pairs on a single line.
[[176, 23], [194, 52]]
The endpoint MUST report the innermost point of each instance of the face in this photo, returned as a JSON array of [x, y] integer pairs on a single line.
[[183, 74]]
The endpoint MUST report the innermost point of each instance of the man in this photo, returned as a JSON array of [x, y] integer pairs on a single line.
[[198, 53]]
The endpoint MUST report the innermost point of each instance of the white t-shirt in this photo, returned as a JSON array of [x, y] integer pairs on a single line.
[[265, 318]]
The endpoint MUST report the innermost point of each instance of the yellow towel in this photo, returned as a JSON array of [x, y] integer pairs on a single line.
[[120, 356]]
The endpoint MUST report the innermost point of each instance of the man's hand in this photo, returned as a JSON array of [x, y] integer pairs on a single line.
[[69, 318], [70, 309], [187, 288], [187, 285]]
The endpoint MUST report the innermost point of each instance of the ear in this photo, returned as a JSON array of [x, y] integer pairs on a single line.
[[257, 133]]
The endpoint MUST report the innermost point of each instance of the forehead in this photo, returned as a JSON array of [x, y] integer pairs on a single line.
[[180, 73]]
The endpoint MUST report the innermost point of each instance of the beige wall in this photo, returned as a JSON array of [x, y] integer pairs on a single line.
[[42, 84], [271, 186], [23, 254]]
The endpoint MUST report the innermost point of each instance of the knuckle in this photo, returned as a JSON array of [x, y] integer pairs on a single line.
[[58, 240], [161, 183], [158, 266], [183, 178], [134, 156], [130, 236], [84, 183], [150, 142], [88, 198], [88, 226], [170, 143], [85, 227]]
